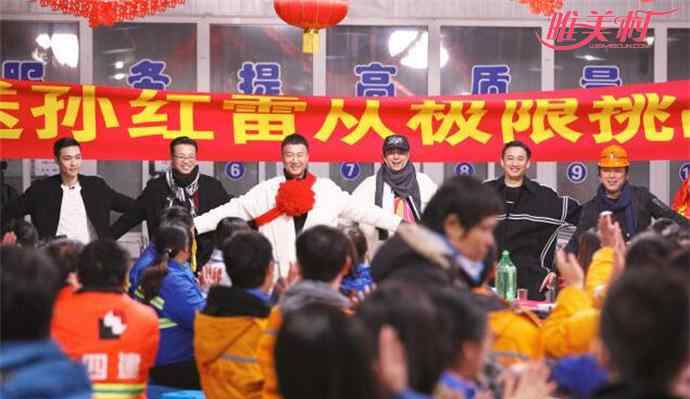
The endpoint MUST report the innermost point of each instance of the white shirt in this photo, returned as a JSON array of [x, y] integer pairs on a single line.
[[73, 222]]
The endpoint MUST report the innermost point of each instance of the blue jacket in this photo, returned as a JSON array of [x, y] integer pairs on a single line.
[[39, 369], [146, 259], [176, 305]]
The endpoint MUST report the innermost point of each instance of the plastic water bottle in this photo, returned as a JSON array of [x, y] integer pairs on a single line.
[[506, 278]]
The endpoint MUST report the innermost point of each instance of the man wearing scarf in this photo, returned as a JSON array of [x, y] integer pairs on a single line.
[[633, 207], [182, 185], [282, 207], [397, 187]]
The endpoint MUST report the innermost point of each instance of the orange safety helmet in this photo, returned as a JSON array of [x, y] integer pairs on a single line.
[[614, 156]]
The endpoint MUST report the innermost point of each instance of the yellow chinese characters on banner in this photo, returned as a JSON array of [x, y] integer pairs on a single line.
[[466, 122], [151, 117], [550, 117], [8, 122], [263, 118], [369, 121]]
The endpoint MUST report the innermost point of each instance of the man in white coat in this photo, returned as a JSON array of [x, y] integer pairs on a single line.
[[397, 187], [285, 205]]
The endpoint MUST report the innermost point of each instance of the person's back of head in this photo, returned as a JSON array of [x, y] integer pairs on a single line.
[[65, 254], [587, 244], [645, 328], [648, 250], [170, 240], [322, 353], [323, 253], [409, 310], [227, 227], [248, 258], [30, 282], [103, 264], [661, 224], [27, 235], [359, 241], [463, 196], [679, 262], [177, 215]]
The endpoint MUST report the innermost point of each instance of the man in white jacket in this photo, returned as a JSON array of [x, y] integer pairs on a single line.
[[285, 205], [397, 187]]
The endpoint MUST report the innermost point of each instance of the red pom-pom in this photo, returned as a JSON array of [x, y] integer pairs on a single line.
[[295, 197]]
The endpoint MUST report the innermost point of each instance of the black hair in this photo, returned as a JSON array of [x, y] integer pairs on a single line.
[[649, 249], [679, 262], [646, 321], [322, 251], [65, 254], [227, 227], [409, 310], [359, 241], [247, 256], [63, 143], [177, 214], [182, 140], [587, 244], [464, 320], [519, 144], [464, 196], [29, 284], [170, 239], [103, 264], [334, 353], [26, 233], [294, 139]]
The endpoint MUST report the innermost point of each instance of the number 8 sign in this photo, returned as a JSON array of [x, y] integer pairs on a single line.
[[577, 172]]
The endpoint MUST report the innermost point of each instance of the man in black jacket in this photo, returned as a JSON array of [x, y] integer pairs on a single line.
[[631, 206], [533, 216], [181, 185], [69, 204]]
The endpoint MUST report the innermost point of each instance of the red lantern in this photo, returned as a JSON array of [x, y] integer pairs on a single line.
[[311, 15], [108, 12]]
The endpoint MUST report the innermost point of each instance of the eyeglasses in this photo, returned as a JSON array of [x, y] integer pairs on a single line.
[[185, 157]]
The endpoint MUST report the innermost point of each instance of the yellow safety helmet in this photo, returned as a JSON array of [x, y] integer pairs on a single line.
[[614, 156]]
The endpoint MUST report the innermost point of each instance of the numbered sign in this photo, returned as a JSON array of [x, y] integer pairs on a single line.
[[577, 172], [684, 171], [349, 170], [464, 169], [234, 170]]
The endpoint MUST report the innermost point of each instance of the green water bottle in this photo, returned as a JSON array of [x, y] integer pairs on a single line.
[[506, 278]]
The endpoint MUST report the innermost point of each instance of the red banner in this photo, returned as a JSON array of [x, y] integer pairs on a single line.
[[651, 120]]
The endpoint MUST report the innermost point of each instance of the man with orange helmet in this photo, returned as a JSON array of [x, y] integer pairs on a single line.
[[633, 207]]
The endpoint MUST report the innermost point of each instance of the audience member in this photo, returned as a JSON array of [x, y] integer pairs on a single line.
[[227, 227]]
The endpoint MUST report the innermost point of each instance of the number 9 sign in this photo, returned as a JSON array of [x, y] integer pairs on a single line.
[[577, 172], [234, 170], [349, 170]]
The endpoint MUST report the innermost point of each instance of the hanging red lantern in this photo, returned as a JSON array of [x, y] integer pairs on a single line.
[[108, 12], [311, 15]]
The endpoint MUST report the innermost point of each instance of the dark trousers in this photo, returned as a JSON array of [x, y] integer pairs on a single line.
[[179, 375]]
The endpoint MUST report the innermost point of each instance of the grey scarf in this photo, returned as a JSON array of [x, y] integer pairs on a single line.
[[183, 191]]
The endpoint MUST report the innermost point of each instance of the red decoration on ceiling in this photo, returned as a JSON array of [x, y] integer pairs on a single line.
[[311, 15], [108, 12], [545, 7]]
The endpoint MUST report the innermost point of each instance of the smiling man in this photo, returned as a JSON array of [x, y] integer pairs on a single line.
[[397, 187], [533, 215], [69, 204], [633, 207], [285, 205]]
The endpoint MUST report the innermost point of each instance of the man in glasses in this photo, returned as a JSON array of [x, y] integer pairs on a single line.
[[397, 187], [181, 185]]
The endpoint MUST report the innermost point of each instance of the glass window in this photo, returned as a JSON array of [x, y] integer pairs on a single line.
[[261, 59], [133, 55], [678, 69], [374, 61], [634, 65], [468, 54]]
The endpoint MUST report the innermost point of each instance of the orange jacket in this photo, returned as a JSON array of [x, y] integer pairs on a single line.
[[264, 354], [115, 337], [572, 326]]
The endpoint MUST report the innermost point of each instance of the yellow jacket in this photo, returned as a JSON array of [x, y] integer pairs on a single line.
[[265, 354], [599, 275], [225, 349], [572, 326]]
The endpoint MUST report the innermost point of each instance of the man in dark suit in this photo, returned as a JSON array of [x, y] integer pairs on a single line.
[[181, 185], [69, 204]]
